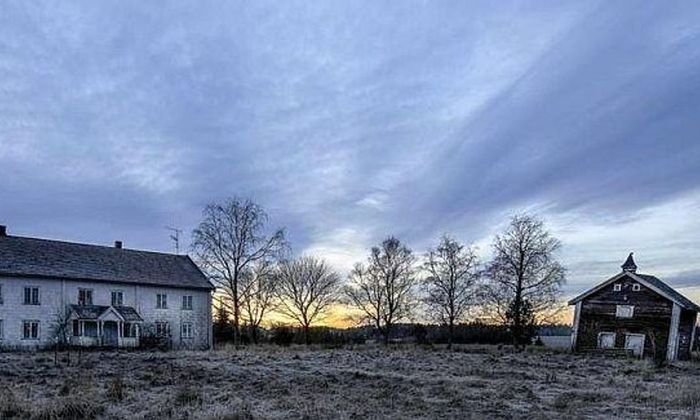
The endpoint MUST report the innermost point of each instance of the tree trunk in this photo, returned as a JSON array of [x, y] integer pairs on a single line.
[[307, 338], [517, 319], [450, 333], [236, 311]]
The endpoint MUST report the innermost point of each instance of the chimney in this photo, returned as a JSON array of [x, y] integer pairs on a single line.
[[3, 230], [118, 244]]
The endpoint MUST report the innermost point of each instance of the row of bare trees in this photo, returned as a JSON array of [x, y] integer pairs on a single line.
[[255, 277]]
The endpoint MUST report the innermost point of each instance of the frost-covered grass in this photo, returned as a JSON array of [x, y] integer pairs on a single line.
[[354, 382]]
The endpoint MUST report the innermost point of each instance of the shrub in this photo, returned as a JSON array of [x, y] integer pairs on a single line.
[[115, 389], [70, 408], [9, 406], [188, 396]]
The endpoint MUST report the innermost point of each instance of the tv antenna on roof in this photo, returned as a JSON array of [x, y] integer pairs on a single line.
[[175, 236]]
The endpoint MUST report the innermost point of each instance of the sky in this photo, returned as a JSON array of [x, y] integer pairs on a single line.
[[353, 120]]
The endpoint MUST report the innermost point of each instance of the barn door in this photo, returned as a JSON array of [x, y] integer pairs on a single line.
[[635, 342], [606, 340]]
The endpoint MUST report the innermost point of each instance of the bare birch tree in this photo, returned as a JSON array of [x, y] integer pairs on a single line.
[[524, 276], [306, 288], [231, 237], [259, 294], [451, 285], [383, 289]]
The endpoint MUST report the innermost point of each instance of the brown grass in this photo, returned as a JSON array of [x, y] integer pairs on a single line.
[[357, 382]]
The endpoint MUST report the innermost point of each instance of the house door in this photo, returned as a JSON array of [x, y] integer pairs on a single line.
[[110, 333], [606, 340], [635, 342]]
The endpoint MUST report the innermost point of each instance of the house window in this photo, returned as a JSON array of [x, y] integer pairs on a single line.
[[161, 329], [187, 303], [76, 328], [617, 287], [84, 297], [31, 296], [117, 298], [161, 301], [624, 311], [187, 330], [636, 287], [30, 330]]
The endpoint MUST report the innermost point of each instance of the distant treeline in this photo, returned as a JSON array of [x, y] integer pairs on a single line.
[[471, 333]]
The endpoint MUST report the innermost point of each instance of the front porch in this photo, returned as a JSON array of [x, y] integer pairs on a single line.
[[104, 326]]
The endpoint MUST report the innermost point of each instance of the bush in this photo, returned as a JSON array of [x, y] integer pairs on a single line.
[[115, 389]]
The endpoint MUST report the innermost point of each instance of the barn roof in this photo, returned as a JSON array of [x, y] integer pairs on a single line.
[[33, 257], [652, 282]]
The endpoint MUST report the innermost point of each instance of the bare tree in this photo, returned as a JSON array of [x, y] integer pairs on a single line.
[[259, 294], [231, 237], [306, 288], [451, 284], [383, 289], [60, 331], [524, 276]]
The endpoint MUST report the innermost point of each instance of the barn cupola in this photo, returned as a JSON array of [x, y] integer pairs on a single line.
[[629, 265]]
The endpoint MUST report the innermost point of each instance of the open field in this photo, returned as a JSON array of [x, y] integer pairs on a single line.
[[362, 382]]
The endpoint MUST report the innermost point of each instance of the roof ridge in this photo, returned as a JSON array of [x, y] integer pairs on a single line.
[[32, 238]]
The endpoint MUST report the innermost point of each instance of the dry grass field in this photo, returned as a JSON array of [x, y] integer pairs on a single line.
[[361, 382]]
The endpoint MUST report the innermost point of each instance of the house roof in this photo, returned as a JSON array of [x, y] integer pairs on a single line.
[[32, 257], [651, 282], [93, 312]]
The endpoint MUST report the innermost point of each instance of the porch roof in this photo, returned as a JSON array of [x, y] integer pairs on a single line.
[[93, 312]]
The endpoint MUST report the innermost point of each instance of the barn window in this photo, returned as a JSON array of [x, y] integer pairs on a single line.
[[617, 287], [606, 340], [624, 311], [636, 287]]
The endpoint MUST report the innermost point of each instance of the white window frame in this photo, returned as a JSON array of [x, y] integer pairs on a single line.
[[115, 293], [619, 311], [162, 329], [38, 329], [86, 292], [187, 302], [161, 301], [636, 287], [614, 335], [31, 295], [628, 335], [186, 331], [617, 287]]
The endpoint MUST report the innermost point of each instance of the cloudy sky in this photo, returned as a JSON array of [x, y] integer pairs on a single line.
[[353, 120]]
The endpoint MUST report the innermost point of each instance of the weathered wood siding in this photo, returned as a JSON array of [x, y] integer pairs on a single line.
[[685, 332], [652, 317]]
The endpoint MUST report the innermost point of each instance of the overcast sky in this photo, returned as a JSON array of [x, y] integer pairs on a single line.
[[350, 121]]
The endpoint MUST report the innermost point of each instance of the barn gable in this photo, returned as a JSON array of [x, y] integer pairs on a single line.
[[634, 312]]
